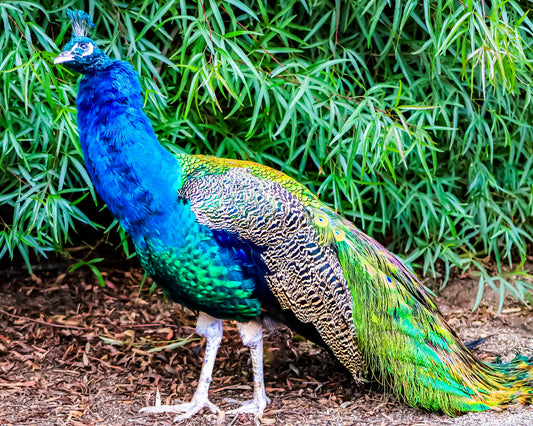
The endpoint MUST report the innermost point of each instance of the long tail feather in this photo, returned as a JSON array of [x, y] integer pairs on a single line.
[[409, 347]]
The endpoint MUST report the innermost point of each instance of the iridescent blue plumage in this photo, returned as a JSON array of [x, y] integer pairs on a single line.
[[141, 191]]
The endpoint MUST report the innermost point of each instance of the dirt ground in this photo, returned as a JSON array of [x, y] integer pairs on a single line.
[[75, 353]]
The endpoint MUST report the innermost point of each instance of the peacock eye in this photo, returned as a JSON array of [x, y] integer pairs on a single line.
[[84, 45]]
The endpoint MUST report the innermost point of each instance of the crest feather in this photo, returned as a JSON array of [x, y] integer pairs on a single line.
[[81, 22]]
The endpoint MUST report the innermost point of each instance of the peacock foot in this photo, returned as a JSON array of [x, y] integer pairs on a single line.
[[187, 409], [254, 406]]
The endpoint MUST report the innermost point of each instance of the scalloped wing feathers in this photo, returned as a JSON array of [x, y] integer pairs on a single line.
[[303, 274]]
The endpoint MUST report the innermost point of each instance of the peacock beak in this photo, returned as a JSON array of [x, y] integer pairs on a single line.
[[65, 56]]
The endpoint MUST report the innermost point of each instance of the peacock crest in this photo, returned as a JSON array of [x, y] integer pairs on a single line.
[[81, 22]]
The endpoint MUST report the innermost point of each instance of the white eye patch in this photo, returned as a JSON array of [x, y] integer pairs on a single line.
[[88, 52]]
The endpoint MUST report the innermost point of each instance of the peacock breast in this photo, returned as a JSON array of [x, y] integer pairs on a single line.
[[193, 269]]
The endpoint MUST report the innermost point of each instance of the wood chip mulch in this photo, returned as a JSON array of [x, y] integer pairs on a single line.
[[73, 352]]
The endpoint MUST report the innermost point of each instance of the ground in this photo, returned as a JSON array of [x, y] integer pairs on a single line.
[[73, 352]]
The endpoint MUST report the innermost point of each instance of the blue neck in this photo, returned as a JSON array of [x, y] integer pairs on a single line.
[[135, 176]]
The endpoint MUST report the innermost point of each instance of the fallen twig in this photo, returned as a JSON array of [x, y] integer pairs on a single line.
[[50, 324]]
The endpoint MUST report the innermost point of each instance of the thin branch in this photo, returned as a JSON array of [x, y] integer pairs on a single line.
[[337, 19], [165, 49], [149, 325], [210, 32], [19, 179], [50, 324]]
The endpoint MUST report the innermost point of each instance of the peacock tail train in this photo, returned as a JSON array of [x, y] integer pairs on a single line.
[[407, 345]]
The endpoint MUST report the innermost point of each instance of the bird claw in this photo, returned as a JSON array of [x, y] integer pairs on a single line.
[[254, 406], [188, 409]]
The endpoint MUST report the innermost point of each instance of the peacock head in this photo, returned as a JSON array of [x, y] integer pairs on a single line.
[[81, 54]]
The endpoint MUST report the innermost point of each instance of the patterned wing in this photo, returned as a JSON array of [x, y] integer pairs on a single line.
[[256, 204], [202, 165]]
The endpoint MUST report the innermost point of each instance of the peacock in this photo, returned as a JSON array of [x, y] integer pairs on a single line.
[[236, 240]]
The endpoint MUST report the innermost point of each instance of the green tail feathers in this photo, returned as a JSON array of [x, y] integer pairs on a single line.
[[409, 348]]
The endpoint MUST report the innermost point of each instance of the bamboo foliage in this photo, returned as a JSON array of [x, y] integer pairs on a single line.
[[412, 118]]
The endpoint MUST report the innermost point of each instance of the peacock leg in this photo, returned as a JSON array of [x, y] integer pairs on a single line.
[[252, 336], [211, 328]]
